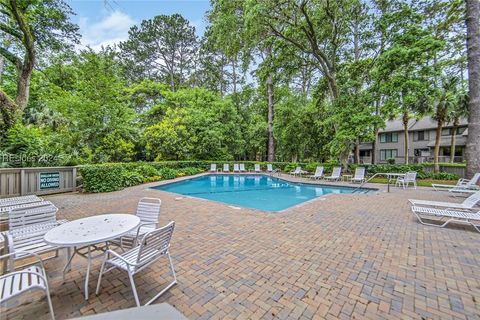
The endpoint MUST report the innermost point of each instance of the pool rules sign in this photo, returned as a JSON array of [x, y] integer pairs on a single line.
[[49, 180]]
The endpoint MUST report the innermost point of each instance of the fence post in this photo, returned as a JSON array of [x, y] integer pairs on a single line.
[[23, 184], [74, 177]]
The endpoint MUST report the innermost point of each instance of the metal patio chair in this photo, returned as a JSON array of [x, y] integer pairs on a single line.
[[154, 245]]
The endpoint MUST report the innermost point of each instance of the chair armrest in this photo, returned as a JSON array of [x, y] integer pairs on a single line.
[[24, 254], [113, 253]]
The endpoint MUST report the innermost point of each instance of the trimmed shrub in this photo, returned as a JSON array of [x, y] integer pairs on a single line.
[[168, 173]]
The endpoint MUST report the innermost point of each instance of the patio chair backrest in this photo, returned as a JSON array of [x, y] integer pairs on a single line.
[[20, 218], [257, 167], [226, 167], [242, 166], [213, 167], [25, 206], [19, 200], [336, 171], [473, 182], [410, 176], [269, 167], [298, 169], [360, 173], [148, 210], [471, 201], [155, 243], [319, 171], [235, 167]]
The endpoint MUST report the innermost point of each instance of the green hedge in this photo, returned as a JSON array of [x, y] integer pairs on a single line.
[[116, 176]]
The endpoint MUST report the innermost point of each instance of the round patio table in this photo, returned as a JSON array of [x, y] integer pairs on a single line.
[[87, 232]]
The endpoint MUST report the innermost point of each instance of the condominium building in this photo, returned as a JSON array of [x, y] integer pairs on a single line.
[[421, 141]]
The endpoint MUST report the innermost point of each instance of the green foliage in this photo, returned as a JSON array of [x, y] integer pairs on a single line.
[[168, 173]]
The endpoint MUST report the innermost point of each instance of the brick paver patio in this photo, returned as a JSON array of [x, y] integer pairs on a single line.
[[339, 257]]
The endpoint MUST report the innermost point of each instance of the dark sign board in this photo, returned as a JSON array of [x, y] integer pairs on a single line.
[[49, 180]]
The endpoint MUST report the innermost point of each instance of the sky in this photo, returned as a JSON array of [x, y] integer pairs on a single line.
[[106, 22]]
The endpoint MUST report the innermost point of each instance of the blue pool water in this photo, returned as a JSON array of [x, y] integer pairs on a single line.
[[253, 191]]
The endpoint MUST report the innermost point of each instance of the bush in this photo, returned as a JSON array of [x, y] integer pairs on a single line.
[[168, 173], [147, 171]]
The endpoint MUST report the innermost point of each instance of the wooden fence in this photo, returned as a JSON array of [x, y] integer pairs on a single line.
[[25, 181]]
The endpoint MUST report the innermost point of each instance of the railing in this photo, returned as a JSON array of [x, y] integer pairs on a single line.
[[25, 181], [388, 174]]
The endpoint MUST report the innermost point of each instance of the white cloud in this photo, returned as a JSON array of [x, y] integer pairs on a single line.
[[110, 30]]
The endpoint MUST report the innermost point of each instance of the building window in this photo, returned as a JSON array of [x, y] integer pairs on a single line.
[[461, 130], [389, 137], [386, 154], [447, 132], [420, 135]]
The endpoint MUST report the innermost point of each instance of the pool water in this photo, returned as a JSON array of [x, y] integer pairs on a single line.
[[253, 191]]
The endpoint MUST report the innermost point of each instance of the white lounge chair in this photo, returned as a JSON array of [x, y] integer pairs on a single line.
[[450, 214], [359, 175], [269, 168], [226, 167], [409, 177], [27, 226], [236, 168], [154, 245], [336, 174], [22, 281], [468, 203], [298, 171], [19, 200], [213, 167], [462, 184], [148, 210], [318, 173], [257, 168], [242, 167]]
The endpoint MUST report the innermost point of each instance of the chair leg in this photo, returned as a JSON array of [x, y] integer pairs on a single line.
[[134, 289], [101, 274], [172, 269], [50, 306]]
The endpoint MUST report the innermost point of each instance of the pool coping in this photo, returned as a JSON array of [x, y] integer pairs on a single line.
[[235, 207]]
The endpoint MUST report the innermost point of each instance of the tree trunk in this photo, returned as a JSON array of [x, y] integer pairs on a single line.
[[7, 111], [357, 152], [405, 119], [473, 56], [271, 140], [374, 147], [2, 68], [453, 141], [23, 85], [436, 150]]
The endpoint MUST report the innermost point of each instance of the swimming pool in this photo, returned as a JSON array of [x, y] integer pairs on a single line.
[[253, 191]]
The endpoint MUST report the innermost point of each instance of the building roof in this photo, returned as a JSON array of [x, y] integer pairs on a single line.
[[415, 125]]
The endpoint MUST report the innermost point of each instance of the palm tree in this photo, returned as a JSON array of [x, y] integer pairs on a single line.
[[456, 111], [472, 20]]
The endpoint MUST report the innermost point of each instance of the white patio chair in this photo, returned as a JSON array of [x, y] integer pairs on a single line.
[[269, 168], [450, 214], [462, 185], [154, 245], [336, 174], [468, 203], [359, 175], [148, 210], [257, 168], [409, 177], [242, 167], [27, 226], [24, 206], [318, 173], [22, 281], [213, 167], [226, 167], [236, 168], [19, 200]]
